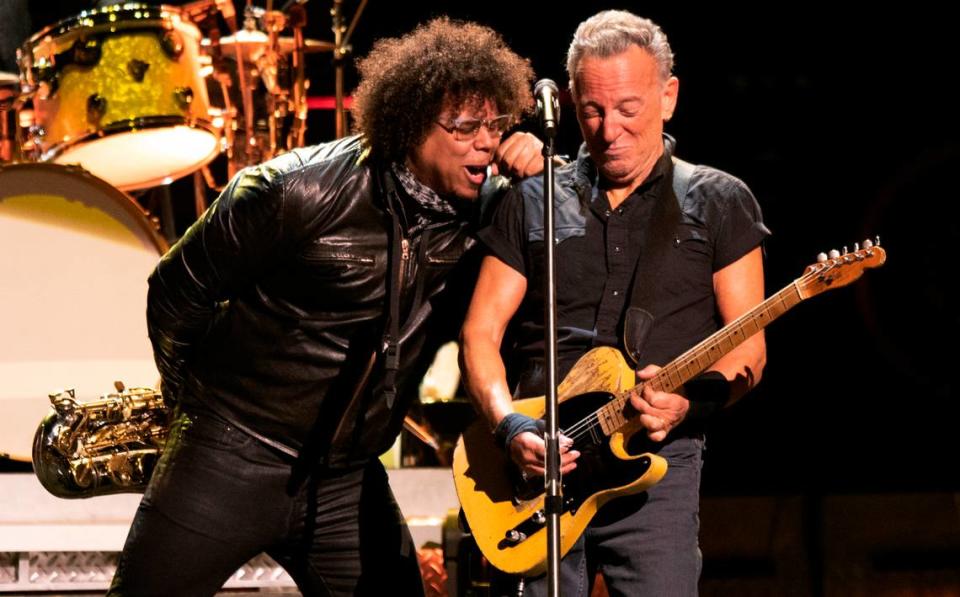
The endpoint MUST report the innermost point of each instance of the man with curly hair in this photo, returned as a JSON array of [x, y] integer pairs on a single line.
[[291, 322]]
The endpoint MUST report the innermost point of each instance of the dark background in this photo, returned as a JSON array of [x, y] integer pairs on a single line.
[[844, 126]]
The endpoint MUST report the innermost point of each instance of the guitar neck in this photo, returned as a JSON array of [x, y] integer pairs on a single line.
[[696, 360], [613, 416]]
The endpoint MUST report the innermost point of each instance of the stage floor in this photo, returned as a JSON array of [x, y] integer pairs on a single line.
[[52, 544]]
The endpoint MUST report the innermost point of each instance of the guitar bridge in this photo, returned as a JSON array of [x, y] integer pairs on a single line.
[[531, 525], [519, 533]]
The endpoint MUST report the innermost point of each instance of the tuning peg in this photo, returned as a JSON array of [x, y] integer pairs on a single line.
[[868, 244], [845, 251], [856, 247], [833, 254], [877, 241], [821, 257]]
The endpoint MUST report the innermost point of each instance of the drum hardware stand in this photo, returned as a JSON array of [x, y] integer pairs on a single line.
[[297, 16], [208, 177], [246, 93], [268, 66], [201, 12], [199, 191], [28, 134], [158, 205], [280, 100], [341, 39], [7, 136]]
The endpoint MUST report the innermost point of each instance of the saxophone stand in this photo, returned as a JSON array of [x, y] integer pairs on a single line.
[[548, 110]]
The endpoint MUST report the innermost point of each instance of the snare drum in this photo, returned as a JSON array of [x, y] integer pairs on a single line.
[[75, 254], [120, 90]]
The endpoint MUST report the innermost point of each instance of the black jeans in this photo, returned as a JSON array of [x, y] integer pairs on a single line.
[[220, 497]]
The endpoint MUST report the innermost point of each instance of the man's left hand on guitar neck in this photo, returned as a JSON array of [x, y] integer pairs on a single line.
[[660, 412]]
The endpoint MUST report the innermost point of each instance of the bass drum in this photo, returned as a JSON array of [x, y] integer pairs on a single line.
[[75, 254]]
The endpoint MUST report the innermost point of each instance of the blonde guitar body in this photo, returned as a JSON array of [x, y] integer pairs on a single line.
[[488, 492]]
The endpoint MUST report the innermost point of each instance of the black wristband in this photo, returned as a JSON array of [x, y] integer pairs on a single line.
[[511, 426], [707, 393]]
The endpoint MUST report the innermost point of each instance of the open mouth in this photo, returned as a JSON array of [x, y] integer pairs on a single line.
[[476, 174]]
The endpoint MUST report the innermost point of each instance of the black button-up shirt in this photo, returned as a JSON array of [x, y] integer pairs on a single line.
[[720, 223]]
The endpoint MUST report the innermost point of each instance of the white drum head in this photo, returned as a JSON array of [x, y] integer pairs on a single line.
[[75, 254], [144, 158]]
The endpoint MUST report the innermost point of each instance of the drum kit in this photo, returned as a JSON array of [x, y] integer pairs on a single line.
[[113, 101]]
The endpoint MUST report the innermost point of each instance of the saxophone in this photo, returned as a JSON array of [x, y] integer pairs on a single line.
[[105, 446]]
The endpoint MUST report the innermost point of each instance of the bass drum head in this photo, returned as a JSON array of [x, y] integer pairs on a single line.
[[75, 254]]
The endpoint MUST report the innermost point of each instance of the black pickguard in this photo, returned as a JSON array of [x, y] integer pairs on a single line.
[[597, 467]]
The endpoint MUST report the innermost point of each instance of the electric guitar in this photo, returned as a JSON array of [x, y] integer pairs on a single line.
[[506, 513]]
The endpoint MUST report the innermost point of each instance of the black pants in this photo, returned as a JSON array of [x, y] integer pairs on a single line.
[[220, 497]]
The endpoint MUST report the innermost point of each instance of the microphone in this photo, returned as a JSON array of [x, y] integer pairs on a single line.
[[548, 106]]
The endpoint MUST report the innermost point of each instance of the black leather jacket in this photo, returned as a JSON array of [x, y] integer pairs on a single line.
[[270, 311]]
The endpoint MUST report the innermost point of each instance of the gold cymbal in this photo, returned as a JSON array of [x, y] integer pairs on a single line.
[[254, 43]]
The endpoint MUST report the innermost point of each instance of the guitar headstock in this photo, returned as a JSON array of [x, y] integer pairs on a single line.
[[838, 269]]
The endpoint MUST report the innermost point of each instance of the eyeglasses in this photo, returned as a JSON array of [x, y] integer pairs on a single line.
[[465, 129]]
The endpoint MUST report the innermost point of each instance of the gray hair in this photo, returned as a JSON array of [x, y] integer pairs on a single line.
[[612, 32]]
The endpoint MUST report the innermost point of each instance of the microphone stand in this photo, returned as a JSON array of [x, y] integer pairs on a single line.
[[553, 502]]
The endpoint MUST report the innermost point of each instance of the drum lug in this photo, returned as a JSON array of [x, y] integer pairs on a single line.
[[86, 52], [47, 78], [36, 133], [184, 97], [172, 44], [96, 108], [137, 69]]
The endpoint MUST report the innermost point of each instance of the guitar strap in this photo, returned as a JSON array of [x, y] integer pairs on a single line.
[[661, 235]]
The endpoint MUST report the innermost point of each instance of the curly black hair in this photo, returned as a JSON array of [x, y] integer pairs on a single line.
[[406, 82]]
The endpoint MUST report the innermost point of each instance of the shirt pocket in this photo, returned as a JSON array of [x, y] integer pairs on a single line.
[[568, 221], [690, 271], [562, 233]]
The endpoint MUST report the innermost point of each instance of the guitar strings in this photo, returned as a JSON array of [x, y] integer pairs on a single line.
[[589, 423]]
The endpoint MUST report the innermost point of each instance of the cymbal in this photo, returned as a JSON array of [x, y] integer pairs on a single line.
[[254, 43], [9, 78]]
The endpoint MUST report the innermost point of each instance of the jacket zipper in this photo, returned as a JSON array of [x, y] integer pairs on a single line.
[[404, 263]]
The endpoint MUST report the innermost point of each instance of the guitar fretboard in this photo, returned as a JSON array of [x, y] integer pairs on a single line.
[[615, 414]]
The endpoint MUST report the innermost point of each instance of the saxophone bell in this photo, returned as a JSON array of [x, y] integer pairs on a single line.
[[101, 447]]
